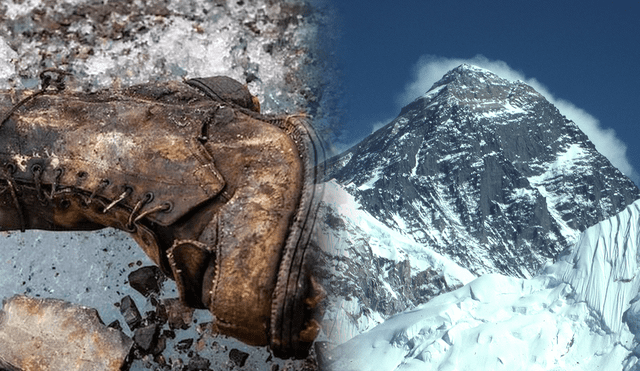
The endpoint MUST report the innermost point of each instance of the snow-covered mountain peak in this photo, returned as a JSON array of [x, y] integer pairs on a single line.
[[481, 91], [470, 74], [480, 170], [486, 170]]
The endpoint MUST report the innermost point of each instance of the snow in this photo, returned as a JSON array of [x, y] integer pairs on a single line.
[[384, 242], [570, 317], [14, 10], [414, 169], [603, 267], [509, 108], [433, 92], [525, 194], [6, 55], [371, 182], [564, 161], [497, 109], [567, 161]]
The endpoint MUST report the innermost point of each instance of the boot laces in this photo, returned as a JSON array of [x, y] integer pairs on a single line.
[[148, 197], [104, 183], [127, 192], [37, 178], [162, 207], [46, 80], [56, 181], [137, 214]]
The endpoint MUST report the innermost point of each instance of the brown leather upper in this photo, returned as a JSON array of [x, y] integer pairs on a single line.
[[106, 147]]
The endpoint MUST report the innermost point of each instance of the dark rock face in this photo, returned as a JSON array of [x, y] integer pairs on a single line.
[[366, 276], [485, 171]]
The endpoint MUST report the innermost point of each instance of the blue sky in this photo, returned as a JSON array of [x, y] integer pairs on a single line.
[[585, 55]]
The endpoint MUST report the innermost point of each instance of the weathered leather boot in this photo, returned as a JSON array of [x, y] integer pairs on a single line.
[[221, 197]]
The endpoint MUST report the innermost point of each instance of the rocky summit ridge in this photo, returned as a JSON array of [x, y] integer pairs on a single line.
[[479, 170]]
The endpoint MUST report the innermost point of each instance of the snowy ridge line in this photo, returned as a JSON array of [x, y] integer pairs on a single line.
[[385, 242], [364, 235], [576, 315]]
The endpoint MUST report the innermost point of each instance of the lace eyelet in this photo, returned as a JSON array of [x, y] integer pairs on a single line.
[[36, 168], [168, 207], [129, 227], [148, 197]]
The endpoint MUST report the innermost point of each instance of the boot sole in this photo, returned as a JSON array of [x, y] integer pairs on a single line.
[[293, 327]]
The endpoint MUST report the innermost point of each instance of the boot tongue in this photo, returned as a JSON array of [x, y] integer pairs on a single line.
[[189, 262]]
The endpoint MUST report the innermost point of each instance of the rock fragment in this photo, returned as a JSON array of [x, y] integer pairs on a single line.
[[145, 337], [130, 312], [184, 345], [178, 315], [198, 363], [238, 357], [52, 334], [146, 280]]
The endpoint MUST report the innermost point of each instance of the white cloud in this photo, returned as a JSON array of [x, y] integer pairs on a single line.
[[379, 124], [430, 69]]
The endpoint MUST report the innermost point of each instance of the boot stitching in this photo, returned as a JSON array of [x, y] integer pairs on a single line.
[[9, 170]]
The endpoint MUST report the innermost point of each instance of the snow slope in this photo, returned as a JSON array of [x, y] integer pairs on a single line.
[[581, 313], [355, 244]]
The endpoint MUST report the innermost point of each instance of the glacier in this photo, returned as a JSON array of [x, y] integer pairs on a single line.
[[580, 313]]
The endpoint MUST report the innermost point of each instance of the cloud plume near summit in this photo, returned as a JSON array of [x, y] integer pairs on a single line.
[[429, 69]]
